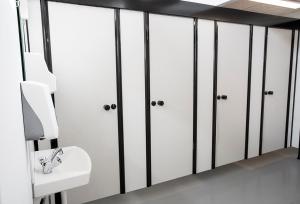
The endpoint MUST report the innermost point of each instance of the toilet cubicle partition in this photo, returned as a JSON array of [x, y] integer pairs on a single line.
[[129, 100]]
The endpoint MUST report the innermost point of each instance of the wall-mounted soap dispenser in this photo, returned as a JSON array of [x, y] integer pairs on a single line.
[[38, 111]]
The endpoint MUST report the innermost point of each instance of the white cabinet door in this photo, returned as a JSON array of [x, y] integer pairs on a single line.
[[84, 62], [233, 54], [133, 79], [277, 77], [171, 79], [206, 33], [256, 87]]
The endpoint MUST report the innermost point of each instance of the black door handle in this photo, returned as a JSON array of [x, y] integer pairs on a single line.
[[106, 107], [153, 103], [224, 97], [113, 106], [269, 92], [160, 103]]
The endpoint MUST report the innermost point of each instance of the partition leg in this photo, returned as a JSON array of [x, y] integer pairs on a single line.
[[299, 148]]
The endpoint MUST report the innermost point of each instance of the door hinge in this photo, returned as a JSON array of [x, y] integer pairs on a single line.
[[17, 3]]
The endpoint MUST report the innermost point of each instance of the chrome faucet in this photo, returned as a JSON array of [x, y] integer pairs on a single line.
[[52, 161]]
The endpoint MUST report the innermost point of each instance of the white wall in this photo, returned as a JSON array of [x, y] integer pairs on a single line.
[[15, 181]]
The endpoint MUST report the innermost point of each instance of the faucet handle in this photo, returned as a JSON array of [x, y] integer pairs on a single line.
[[43, 161], [57, 161]]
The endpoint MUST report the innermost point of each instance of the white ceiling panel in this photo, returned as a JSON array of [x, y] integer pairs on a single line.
[[252, 6]]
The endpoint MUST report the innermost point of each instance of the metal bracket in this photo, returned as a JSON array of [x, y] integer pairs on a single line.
[[17, 3]]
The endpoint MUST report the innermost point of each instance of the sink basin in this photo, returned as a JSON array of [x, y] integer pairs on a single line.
[[73, 172]]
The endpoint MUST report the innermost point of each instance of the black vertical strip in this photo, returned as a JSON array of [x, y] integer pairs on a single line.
[[119, 100], [299, 148], [20, 41], [195, 95], [147, 99], [248, 90], [36, 145], [27, 32], [263, 92], [48, 59], [46, 33], [289, 91], [215, 86], [294, 94]]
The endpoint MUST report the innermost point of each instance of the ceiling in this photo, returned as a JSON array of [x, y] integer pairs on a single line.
[[248, 5]]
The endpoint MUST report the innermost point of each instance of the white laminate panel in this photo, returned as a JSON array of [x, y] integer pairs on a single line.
[[256, 87], [84, 62], [35, 26], [233, 54], [296, 122], [277, 76], [133, 78], [205, 93], [171, 78]]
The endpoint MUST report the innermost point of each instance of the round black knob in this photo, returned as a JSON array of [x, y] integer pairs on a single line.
[[270, 92], [224, 97], [153, 103], [113, 106], [160, 103], [106, 107], [218, 97]]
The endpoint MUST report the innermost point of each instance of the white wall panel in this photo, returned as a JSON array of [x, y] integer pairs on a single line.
[[296, 122], [171, 79], [205, 93], [35, 26], [233, 55], [133, 78], [15, 178], [256, 88], [277, 77], [84, 62]]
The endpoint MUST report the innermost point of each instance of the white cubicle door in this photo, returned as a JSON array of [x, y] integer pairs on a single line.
[[171, 79], [233, 55], [296, 122], [133, 84], [205, 93], [84, 62], [276, 84]]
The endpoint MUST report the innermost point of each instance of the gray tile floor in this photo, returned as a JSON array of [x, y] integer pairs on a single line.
[[273, 178]]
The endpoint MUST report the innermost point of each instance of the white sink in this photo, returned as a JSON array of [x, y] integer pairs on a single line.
[[73, 172]]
